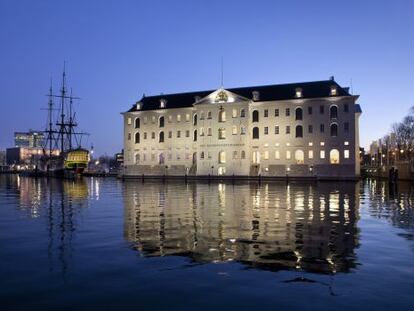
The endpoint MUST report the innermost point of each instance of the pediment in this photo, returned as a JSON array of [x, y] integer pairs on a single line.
[[221, 96]]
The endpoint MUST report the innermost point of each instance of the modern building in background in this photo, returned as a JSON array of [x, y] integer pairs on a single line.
[[30, 139], [301, 130]]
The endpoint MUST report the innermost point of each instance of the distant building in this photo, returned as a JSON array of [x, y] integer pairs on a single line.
[[2, 160], [302, 129], [26, 156], [30, 139]]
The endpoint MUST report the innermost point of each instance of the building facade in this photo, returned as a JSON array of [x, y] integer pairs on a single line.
[[298, 130], [30, 139]]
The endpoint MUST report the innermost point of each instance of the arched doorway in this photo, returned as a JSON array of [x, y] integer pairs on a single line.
[[334, 156], [299, 156]]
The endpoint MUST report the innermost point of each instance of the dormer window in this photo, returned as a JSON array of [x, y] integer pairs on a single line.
[[138, 106], [298, 92], [256, 95], [334, 90], [163, 103]]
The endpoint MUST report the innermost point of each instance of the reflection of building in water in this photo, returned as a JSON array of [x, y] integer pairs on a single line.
[[273, 226]]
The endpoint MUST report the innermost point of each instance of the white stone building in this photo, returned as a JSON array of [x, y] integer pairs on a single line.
[[298, 130]]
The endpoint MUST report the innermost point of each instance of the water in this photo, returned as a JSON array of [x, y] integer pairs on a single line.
[[111, 245]]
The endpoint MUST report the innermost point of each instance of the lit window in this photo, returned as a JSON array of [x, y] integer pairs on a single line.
[[178, 118], [234, 130], [277, 144], [138, 106], [346, 154], [310, 154], [222, 157], [234, 114], [322, 143], [277, 154], [346, 143], [266, 155], [187, 117], [310, 144], [288, 155], [334, 156], [169, 118], [153, 119], [298, 92], [288, 144], [322, 154], [129, 121], [163, 102], [333, 90], [201, 131]]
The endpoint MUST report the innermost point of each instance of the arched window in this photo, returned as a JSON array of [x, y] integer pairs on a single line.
[[195, 135], [299, 114], [255, 116], [299, 156], [334, 129], [161, 159], [222, 116], [256, 133], [137, 123], [242, 113], [334, 156], [161, 137], [222, 133], [161, 121], [333, 112], [222, 157], [299, 131], [137, 137], [195, 119], [209, 115], [243, 154], [137, 158]]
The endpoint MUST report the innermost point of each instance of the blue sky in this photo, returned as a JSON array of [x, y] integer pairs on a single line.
[[118, 50]]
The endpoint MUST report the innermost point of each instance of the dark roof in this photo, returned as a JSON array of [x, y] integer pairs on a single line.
[[313, 89]]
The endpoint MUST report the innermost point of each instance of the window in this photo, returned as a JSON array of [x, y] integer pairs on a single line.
[[310, 154], [276, 112], [310, 129], [187, 117], [161, 137], [209, 131], [242, 113], [202, 155], [209, 115], [169, 118], [287, 112], [266, 113], [153, 135], [202, 115], [161, 122], [298, 114], [178, 134], [137, 158], [334, 129], [346, 154], [222, 133], [333, 112], [234, 130], [288, 155], [346, 127], [234, 154], [277, 155], [255, 116], [152, 156], [299, 156], [195, 135], [129, 121], [346, 143], [287, 129], [187, 133], [266, 130], [145, 120], [161, 159], [322, 154], [145, 135], [243, 154], [298, 92], [242, 130], [322, 128], [299, 131], [234, 113], [222, 116], [137, 138], [222, 157], [256, 133], [195, 119], [256, 157], [129, 136], [201, 131], [137, 123], [322, 143], [310, 110], [321, 109], [334, 90], [153, 119], [277, 129], [334, 156], [178, 118], [266, 155], [346, 108], [170, 134]]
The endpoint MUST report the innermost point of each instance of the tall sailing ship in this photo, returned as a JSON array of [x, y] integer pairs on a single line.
[[63, 154]]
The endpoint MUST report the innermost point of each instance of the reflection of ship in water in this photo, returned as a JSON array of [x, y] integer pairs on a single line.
[[272, 226], [58, 201]]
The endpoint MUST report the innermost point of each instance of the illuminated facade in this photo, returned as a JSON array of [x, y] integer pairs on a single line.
[[298, 130], [31, 139]]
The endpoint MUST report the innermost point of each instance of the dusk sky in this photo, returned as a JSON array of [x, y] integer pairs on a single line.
[[117, 50]]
